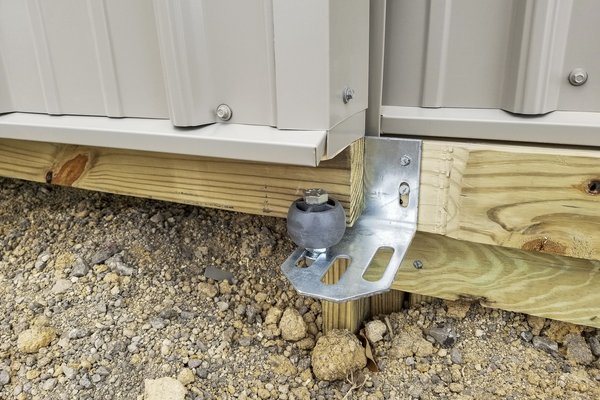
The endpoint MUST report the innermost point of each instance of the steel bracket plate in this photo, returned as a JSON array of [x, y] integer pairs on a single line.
[[389, 221]]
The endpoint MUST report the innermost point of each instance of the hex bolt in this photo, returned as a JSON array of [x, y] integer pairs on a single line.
[[418, 264], [347, 95], [405, 160], [315, 196], [578, 77], [224, 112]]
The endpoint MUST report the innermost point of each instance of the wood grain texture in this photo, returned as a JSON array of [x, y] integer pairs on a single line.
[[256, 188], [546, 285], [534, 198]]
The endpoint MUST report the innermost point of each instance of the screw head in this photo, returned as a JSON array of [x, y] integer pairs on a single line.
[[347, 95], [405, 160], [578, 77], [316, 196], [224, 113], [418, 264], [404, 189]]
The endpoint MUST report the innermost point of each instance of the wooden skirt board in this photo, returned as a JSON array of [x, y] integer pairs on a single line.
[[533, 198], [496, 199], [255, 188]]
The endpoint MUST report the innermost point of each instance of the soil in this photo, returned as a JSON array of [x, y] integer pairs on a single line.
[[103, 293]]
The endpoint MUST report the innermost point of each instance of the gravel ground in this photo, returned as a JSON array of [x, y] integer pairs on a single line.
[[110, 297]]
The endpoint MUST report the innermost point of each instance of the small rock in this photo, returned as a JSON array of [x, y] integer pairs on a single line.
[[207, 289], [558, 330], [186, 376], [457, 309], [79, 268], [306, 344], [104, 253], [85, 382], [336, 354], [455, 356], [456, 387], [31, 340], [61, 286], [526, 336], [273, 316], [479, 333], [157, 323], [282, 365], [157, 218], [202, 373], [544, 343], [77, 333], [223, 305], [116, 264], [578, 350], [444, 334], [68, 371], [375, 330], [536, 324], [595, 345], [218, 274], [410, 361], [96, 378], [194, 362], [292, 325], [4, 377], [49, 384], [164, 389], [168, 313]]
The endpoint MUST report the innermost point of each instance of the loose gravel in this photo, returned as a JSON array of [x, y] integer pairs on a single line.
[[113, 297]]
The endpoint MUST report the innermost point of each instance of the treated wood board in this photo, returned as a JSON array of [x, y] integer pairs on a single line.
[[256, 188], [535, 198], [546, 285]]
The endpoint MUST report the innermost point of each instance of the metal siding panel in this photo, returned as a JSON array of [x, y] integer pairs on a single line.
[[134, 46], [405, 39], [348, 58], [18, 55], [301, 34], [66, 57], [582, 52], [240, 50], [536, 55]]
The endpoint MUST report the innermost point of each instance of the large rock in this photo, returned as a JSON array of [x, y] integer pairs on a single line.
[[164, 389], [336, 354], [578, 350], [292, 325], [31, 340]]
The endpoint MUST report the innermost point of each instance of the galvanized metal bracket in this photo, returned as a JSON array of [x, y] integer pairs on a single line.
[[389, 221]]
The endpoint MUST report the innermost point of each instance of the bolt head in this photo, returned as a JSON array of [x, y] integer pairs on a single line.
[[418, 264], [405, 160], [224, 113], [316, 196], [578, 77], [348, 95]]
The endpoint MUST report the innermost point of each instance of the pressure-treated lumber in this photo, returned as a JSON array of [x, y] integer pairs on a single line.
[[351, 314], [534, 198], [545, 285], [256, 188]]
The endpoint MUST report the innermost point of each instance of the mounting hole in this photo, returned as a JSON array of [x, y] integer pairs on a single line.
[[336, 271], [378, 265], [593, 187], [404, 194]]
